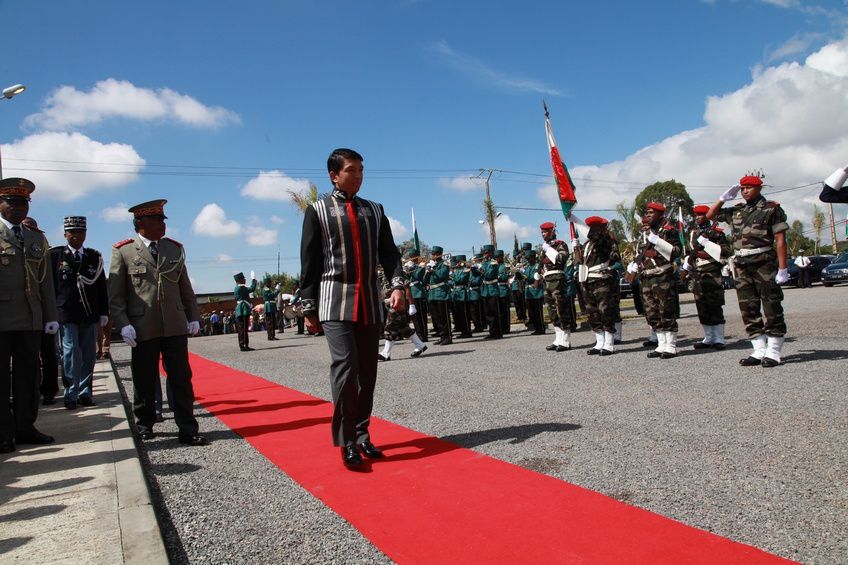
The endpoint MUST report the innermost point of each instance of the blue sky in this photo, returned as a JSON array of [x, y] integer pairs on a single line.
[[221, 108]]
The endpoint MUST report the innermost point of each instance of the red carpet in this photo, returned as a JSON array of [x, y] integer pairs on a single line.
[[430, 501]]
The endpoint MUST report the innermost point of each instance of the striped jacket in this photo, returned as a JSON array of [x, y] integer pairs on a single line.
[[343, 241]]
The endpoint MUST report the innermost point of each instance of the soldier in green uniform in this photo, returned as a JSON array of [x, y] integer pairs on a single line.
[[534, 293], [656, 251], [415, 271], [503, 292], [557, 275], [490, 294], [270, 298], [244, 309], [152, 301], [475, 304], [29, 308], [437, 277], [759, 229], [459, 294], [599, 279], [703, 266], [516, 282]]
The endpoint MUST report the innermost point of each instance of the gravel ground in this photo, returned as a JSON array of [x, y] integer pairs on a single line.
[[759, 456]]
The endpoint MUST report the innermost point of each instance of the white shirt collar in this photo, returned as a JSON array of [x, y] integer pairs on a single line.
[[9, 224], [144, 240], [75, 250]]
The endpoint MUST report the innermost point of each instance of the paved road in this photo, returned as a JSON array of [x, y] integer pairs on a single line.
[[759, 456]]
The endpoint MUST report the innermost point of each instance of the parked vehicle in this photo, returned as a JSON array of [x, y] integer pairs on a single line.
[[624, 288], [817, 263], [836, 272]]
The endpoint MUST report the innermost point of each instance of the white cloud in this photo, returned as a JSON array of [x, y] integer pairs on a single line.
[[260, 236], [398, 229], [212, 221], [67, 107], [276, 220], [505, 229], [480, 70], [224, 258], [77, 175], [273, 185], [462, 184], [789, 121], [795, 45], [117, 213]]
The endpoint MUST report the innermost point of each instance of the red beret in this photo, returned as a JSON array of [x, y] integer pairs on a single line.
[[547, 226], [596, 220], [751, 180], [658, 206], [701, 209]]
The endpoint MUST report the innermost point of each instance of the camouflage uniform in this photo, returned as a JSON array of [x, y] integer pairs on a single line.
[[396, 325], [558, 279], [705, 273], [419, 298], [755, 263], [599, 280], [657, 281]]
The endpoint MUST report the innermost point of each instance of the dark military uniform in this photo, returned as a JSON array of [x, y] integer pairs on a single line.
[[419, 298], [490, 295], [557, 273], [503, 294], [270, 298], [598, 278], [705, 274], [459, 295], [534, 293], [475, 301], [438, 296], [243, 311], [755, 263]]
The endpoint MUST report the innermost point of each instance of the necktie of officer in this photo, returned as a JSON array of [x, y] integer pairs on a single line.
[[77, 257], [18, 234], [154, 250]]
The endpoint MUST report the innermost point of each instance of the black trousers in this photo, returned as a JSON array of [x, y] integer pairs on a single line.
[[503, 304], [460, 314], [271, 324], [419, 320], [520, 306], [353, 376], [440, 312], [300, 324], [49, 366], [493, 315], [534, 314], [19, 373], [475, 313], [804, 278], [242, 323], [145, 374]]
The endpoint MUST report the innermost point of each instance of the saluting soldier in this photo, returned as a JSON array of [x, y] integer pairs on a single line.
[[83, 305], [490, 294], [656, 251], [475, 302], [415, 271], [459, 294], [759, 240], [599, 279], [244, 309], [270, 298], [29, 308], [152, 301], [557, 275], [703, 265], [534, 293], [437, 277]]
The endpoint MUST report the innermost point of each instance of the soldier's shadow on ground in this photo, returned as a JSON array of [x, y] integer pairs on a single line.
[[431, 446], [822, 355], [263, 408]]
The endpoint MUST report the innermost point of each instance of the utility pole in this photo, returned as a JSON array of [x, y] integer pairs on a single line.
[[489, 208], [833, 230], [278, 263]]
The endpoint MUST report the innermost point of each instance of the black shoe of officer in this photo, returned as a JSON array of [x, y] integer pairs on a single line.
[[667, 355], [551, 347], [34, 437], [370, 451], [655, 354], [768, 362], [351, 457], [593, 351], [750, 361]]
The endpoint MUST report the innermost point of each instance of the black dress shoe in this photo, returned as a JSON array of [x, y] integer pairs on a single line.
[[34, 437], [493, 337], [593, 351], [193, 440], [159, 418], [768, 362], [381, 357], [649, 344], [605, 352], [418, 352], [48, 400], [351, 457], [750, 361], [7, 446], [616, 342], [86, 401], [561, 348], [655, 354], [719, 346], [147, 434], [667, 355], [106, 355], [71, 405], [370, 451], [702, 345], [249, 349], [446, 341], [551, 347]]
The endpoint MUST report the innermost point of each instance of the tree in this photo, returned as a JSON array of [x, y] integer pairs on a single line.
[[616, 228], [818, 225], [796, 240], [405, 246], [631, 223], [671, 193], [303, 200], [285, 280]]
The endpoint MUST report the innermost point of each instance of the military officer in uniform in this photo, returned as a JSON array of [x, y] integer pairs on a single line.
[[656, 251], [83, 303], [415, 271], [437, 277], [534, 293], [598, 277], [759, 241], [475, 302], [557, 276], [516, 283], [490, 294], [244, 309], [152, 301], [28, 309], [703, 266], [503, 292], [459, 294], [270, 298]]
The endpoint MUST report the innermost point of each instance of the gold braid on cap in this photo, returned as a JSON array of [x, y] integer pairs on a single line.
[[151, 211]]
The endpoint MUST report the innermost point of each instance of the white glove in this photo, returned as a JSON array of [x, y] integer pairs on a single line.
[[537, 276], [103, 321], [51, 328], [431, 263], [128, 333], [653, 238], [703, 240], [278, 287], [545, 246], [730, 193], [782, 276], [633, 267], [252, 275], [194, 328], [412, 310], [685, 266]]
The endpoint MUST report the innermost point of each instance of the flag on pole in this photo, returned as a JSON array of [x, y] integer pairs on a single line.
[[565, 187], [516, 250], [415, 243], [680, 227]]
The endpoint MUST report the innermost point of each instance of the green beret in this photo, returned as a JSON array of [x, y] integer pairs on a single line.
[[526, 246], [488, 248], [499, 253], [238, 276], [530, 253], [436, 249]]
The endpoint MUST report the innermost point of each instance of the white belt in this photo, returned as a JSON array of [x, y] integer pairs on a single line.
[[704, 262], [553, 272], [437, 285], [603, 265], [755, 251], [657, 270]]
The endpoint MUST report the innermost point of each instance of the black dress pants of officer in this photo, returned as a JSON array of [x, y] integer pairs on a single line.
[[503, 306], [18, 374], [271, 324], [493, 316], [243, 334], [419, 320], [353, 375], [145, 373], [535, 315]]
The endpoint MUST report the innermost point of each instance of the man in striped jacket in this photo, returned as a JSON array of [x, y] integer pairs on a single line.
[[344, 238]]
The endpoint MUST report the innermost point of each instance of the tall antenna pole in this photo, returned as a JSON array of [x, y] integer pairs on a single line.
[[833, 230]]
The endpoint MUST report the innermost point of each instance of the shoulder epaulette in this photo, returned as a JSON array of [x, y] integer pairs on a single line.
[[122, 243], [174, 241], [772, 204], [56, 247]]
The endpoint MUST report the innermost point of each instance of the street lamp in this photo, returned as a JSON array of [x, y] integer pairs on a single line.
[[9, 93]]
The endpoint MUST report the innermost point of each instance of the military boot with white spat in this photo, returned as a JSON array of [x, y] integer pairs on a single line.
[[609, 344], [660, 346], [386, 354], [599, 344], [617, 336], [555, 344], [564, 341], [709, 339], [670, 346], [718, 337], [772, 356], [652, 341], [759, 344]]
